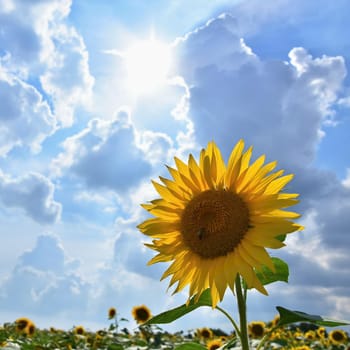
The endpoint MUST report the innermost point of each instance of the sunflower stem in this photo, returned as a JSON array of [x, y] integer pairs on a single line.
[[235, 326], [266, 336], [242, 309]]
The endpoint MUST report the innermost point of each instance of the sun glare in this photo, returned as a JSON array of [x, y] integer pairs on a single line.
[[147, 63]]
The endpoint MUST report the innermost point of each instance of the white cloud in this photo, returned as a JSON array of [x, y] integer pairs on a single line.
[[25, 118], [215, 43], [43, 282], [33, 193], [37, 41], [346, 181], [67, 79], [105, 155], [279, 107]]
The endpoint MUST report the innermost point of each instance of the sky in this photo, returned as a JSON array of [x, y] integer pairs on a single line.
[[97, 97]]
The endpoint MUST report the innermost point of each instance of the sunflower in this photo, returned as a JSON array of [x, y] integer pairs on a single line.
[[22, 323], [79, 330], [141, 313], [256, 329], [337, 336], [214, 344], [275, 321], [112, 313], [214, 221], [321, 332], [310, 335], [25, 326], [205, 333]]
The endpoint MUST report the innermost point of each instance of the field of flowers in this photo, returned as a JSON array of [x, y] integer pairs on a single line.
[[23, 334]]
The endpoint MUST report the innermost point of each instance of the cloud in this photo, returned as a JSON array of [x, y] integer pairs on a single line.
[[25, 118], [105, 155], [36, 40], [346, 181], [33, 193], [67, 79], [272, 104], [44, 287], [132, 255]]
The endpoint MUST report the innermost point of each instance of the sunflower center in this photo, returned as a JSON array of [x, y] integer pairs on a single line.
[[214, 222], [142, 315]]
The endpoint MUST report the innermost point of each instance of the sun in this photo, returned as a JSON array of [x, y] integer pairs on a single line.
[[147, 64]]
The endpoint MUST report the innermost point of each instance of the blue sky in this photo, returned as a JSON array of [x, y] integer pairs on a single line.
[[82, 135]]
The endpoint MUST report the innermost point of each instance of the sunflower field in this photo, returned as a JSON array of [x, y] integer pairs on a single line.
[[23, 334], [214, 223]]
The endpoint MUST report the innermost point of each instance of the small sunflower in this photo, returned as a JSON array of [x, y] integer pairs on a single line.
[[22, 323], [321, 332], [112, 313], [79, 330], [141, 313], [310, 335], [205, 333], [214, 344], [214, 221], [337, 336], [30, 329], [256, 329], [25, 326], [275, 321]]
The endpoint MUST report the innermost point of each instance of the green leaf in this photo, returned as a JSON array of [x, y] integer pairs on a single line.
[[190, 346], [266, 276], [289, 316], [115, 347], [281, 238], [174, 314]]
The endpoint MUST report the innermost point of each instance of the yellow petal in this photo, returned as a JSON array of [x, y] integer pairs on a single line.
[[277, 185], [267, 242], [159, 226], [230, 270], [248, 175], [168, 194], [196, 173], [262, 185], [219, 278], [245, 160], [244, 269], [259, 254], [207, 173]]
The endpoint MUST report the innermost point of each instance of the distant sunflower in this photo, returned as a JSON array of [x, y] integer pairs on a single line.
[[141, 313], [310, 335], [337, 336], [214, 344], [214, 221], [112, 313], [256, 329], [25, 326], [205, 333], [321, 332], [79, 330], [22, 323], [275, 321], [30, 329]]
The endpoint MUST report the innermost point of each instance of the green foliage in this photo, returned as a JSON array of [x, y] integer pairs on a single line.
[[281, 272], [151, 337], [190, 346], [288, 317], [174, 314]]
